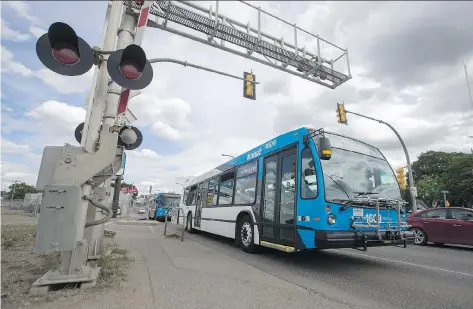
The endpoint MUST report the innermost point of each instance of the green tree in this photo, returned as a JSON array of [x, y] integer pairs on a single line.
[[458, 180], [123, 184], [428, 189], [18, 190], [430, 163], [435, 171]]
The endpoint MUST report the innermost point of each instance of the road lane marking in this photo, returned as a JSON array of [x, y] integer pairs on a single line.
[[411, 264], [109, 222], [151, 228]]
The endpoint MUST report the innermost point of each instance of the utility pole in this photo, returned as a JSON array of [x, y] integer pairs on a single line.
[[116, 195], [13, 192], [412, 188]]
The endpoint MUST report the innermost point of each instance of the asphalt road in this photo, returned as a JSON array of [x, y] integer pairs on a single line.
[[389, 277]]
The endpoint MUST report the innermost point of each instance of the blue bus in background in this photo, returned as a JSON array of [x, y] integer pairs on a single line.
[[305, 189], [164, 202]]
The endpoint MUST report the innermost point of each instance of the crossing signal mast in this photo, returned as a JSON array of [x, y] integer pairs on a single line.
[[212, 28], [70, 176]]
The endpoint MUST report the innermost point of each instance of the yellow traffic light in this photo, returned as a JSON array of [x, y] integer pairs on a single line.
[[341, 114], [401, 178], [249, 90]]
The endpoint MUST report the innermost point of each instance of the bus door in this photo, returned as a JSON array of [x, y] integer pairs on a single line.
[[198, 205], [279, 197]]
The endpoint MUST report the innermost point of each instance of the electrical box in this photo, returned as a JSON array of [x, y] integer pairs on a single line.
[[58, 219]]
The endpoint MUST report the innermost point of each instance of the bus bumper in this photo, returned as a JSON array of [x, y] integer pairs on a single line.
[[357, 239]]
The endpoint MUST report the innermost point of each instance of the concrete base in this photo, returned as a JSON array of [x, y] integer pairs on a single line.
[[141, 222], [87, 279]]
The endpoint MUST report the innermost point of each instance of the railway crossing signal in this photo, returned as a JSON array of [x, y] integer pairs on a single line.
[[341, 114], [129, 67], [63, 52]]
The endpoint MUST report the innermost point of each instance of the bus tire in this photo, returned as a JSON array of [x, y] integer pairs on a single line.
[[189, 223], [246, 234]]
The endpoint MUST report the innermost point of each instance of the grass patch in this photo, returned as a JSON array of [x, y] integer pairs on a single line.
[[18, 235], [114, 266]]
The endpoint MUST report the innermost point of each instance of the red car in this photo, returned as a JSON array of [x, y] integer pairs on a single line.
[[449, 225]]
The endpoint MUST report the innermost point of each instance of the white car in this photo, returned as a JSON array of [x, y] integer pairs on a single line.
[[141, 211]]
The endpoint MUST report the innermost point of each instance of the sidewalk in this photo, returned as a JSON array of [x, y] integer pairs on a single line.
[[168, 273]]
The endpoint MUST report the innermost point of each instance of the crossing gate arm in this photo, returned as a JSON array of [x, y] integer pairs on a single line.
[[260, 46]]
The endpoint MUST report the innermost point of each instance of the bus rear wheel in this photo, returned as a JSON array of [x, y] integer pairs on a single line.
[[246, 235]]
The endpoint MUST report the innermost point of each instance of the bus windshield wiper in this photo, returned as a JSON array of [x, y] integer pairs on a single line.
[[358, 193], [338, 186]]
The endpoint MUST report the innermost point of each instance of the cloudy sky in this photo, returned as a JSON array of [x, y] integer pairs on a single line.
[[406, 61]]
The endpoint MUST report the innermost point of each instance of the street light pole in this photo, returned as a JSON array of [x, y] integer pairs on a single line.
[[444, 197], [409, 166]]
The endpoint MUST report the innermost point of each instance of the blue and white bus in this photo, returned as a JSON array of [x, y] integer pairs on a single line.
[[305, 189], [165, 201]]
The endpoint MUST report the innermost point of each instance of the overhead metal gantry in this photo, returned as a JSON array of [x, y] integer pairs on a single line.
[[260, 46]]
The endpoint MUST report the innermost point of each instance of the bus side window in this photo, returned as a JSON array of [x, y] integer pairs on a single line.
[[186, 195], [192, 195], [211, 193], [308, 175]]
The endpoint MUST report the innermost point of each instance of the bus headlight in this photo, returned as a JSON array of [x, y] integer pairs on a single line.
[[331, 219]]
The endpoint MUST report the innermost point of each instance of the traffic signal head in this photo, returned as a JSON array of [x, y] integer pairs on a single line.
[[400, 176], [129, 67], [130, 138], [63, 52], [249, 89], [341, 114]]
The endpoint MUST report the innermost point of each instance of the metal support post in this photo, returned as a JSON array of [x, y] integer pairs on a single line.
[[409, 166], [94, 121]]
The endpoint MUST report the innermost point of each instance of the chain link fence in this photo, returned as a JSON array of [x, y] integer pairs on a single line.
[[29, 205]]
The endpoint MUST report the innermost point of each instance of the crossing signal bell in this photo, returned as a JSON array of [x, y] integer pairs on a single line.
[[341, 114], [129, 67], [63, 52], [401, 178], [249, 90]]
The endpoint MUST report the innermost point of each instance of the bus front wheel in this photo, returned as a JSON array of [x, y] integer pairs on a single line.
[[246, 234]]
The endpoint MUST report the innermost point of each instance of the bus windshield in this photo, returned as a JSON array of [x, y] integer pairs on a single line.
[[167, 202], [357, 169]]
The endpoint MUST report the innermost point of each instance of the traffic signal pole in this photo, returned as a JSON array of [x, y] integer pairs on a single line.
[[409, 166]]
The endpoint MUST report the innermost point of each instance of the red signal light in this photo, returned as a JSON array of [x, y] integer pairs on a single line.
[[129, 69], [65, 53]]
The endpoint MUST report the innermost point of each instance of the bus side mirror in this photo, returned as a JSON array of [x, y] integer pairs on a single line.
[[325, 149]]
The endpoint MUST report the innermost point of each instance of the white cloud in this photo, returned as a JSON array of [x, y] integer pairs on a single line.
[[12, 34], [165, 130], [66, 85], [37, 31], [22, 9], [14, 171], [10, 147], [11, 66]]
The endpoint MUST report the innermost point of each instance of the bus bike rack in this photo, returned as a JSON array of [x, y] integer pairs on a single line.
[[399, 225], [177, 223]]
